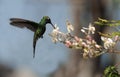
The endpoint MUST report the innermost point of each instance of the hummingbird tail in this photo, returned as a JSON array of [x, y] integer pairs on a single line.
[[34, 46]]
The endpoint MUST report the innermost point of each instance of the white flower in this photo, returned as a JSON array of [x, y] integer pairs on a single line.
[[82, 30], [58, 35], [54, 34], [56, 27], [75, 43], [97, 46], [103, 38], [116, 38], [108, 42], [69, 26], [91, 28], [54, 40]]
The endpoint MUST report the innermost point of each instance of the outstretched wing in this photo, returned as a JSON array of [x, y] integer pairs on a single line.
[[22, 23]]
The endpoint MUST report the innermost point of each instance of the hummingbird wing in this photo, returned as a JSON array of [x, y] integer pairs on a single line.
[[22, 23]]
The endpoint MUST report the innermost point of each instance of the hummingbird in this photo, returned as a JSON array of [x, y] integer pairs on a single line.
[[38, 28]]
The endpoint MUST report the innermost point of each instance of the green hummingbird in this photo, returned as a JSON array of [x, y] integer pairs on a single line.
[[38, 28]]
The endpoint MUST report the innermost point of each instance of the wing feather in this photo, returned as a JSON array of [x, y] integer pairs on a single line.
[[22, 23]]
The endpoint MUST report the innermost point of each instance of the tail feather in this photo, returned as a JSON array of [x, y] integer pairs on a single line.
[[34, 43], [34, 46]]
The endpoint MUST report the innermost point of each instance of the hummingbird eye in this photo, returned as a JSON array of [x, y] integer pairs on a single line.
[[48, 18]]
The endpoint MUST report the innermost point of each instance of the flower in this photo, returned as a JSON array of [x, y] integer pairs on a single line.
[[60, 36], [68, 43], [97, 46], [82, 30], [108, 42], [85, 55], [91, 28], [116, 38], [69, 26], [78, 39], [54, 34]]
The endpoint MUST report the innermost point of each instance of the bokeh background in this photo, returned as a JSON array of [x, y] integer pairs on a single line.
[[52, 60]]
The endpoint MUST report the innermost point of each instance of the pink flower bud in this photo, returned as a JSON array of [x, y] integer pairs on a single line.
[[84, 44], [77, 39], [68, 43], [88, 37]]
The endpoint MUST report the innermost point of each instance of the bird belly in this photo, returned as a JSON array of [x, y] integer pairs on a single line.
[[41, 32]]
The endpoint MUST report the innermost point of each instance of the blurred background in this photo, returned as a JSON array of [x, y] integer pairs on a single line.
[[52, 60]]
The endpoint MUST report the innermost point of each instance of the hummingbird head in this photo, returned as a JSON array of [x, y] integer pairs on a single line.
[[48, 20]]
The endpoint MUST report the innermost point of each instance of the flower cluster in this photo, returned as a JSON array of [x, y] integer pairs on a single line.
[[87, 45], [108, 42]]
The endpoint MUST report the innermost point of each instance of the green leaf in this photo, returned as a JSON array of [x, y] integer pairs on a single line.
[[110, 35], [116, 33], [104, 22], [111, 71]]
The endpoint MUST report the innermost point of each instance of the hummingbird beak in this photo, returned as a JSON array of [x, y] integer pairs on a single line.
[[52, 25]]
